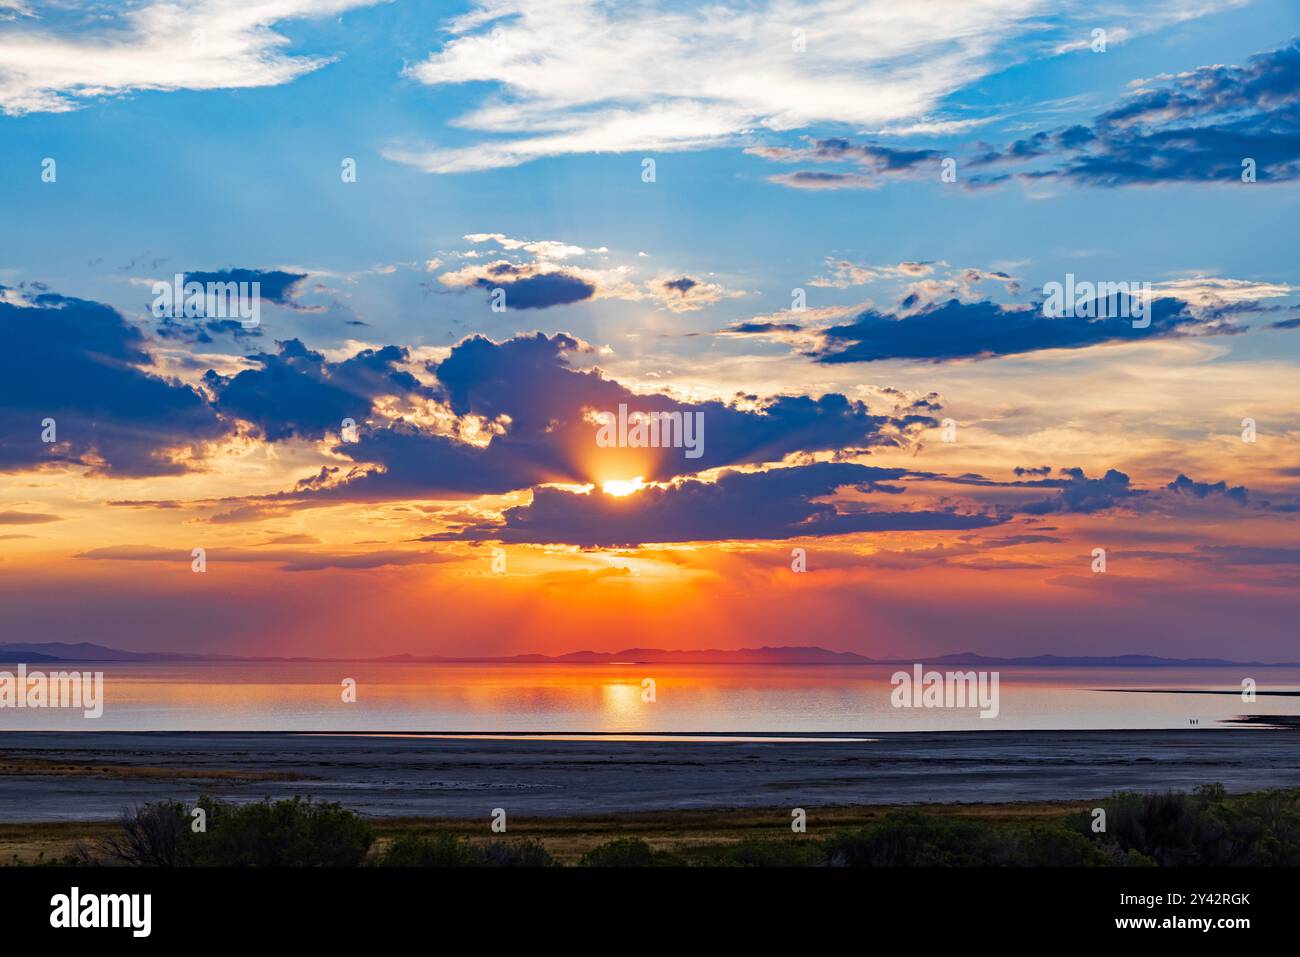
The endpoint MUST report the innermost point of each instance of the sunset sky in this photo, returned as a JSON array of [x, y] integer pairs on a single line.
[[798, 153]]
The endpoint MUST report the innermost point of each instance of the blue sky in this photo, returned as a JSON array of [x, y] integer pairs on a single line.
[[250, 177], [797, 146]]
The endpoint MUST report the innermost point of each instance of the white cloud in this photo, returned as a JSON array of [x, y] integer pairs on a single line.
[[183, 44], [13, 9], [541, 248], [1213, 291], [578, 76], [676, 291], [844, 274]]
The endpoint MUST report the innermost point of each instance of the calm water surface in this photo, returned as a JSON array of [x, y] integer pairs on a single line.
[[717, 699]]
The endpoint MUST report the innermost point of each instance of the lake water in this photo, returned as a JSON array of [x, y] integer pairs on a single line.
[[608, 699]]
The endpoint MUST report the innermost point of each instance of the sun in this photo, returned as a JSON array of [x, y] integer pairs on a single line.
[[620, 487]]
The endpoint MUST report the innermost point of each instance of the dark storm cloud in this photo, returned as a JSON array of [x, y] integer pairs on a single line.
[[775, 504], [83, 365]]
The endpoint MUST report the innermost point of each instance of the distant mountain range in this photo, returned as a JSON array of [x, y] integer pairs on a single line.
[[47, 651]]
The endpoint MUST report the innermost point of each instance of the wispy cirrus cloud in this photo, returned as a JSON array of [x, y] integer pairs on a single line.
[[1199, 125], [586, 77], [180, 45]]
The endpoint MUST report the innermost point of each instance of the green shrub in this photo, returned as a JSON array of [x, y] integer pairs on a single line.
[[625, 852], [289, 833], [151, 836], [528, 853], [1051, 845], [916, 839], [447, 850], [1208, 828], [793, 852], [440, 850]]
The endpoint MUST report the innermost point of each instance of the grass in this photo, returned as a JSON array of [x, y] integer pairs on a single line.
[[568, 839], [1206, 828]]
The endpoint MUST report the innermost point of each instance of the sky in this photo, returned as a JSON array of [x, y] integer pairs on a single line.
[[827, 232]]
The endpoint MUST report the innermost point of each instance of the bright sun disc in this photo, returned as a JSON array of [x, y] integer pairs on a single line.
[[620, 487]]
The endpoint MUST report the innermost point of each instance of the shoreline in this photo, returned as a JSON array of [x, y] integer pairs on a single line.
[[92, 776], [1259, 722]]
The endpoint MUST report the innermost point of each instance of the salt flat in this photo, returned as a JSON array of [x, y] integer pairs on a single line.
[[57, 776]]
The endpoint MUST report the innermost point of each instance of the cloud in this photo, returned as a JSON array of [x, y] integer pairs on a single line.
[[1083, 495], [875, 164], [26, 518], [590, 76], [13, 9], [55, 65], [686, 293], [295, 539], [274, 285], [843, 274], [550, 278], [820, 179], [523, 415], [289, 560], [539, 291], [1185, 486], [541, 248], [955, 329], [83, 365], [297, 392], [202, 331], [774, 504], [1196, 126], [1248, 555]]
